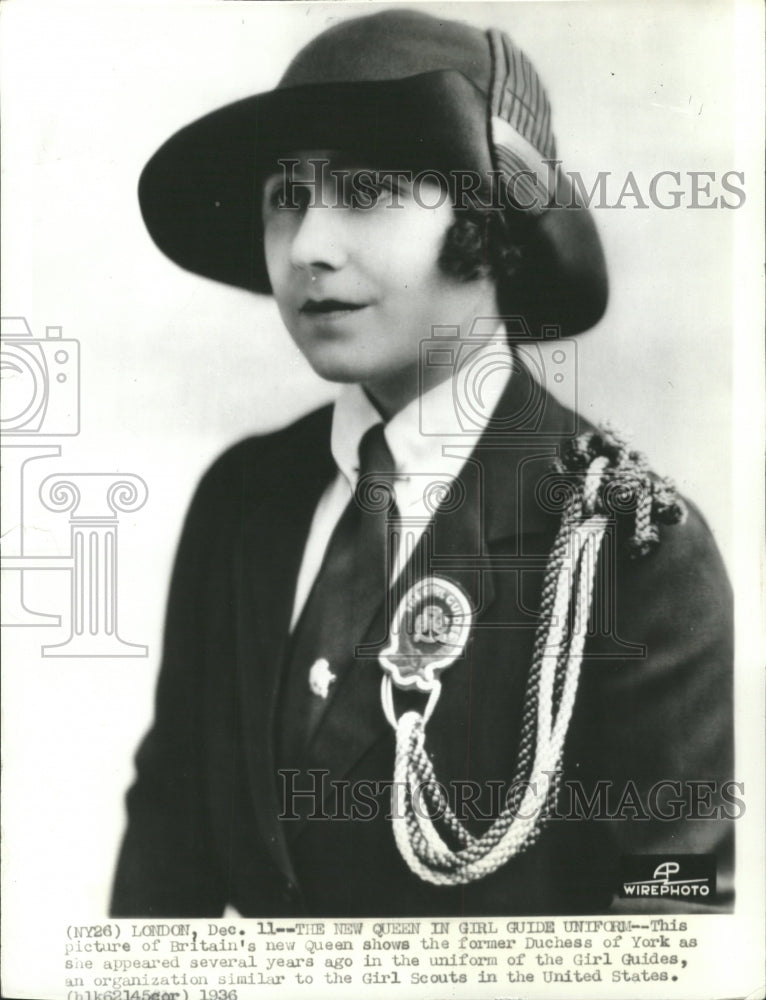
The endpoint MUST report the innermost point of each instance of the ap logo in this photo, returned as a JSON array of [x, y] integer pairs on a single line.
[[665, 870]]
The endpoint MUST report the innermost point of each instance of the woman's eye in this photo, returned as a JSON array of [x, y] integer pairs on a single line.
[[288, 196], [368, 192]]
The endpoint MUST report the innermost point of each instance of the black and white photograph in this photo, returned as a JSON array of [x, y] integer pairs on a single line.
[[382, 441]]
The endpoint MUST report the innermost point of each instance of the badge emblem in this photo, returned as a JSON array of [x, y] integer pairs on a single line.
[[428, 633], [320, 678]]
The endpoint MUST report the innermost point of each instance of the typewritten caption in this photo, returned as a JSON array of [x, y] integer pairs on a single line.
[[498, 957]]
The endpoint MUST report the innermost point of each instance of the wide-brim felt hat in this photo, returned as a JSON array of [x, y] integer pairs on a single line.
[[399, 90]]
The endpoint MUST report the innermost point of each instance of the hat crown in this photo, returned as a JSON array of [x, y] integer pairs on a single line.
[[397, 44], [392, 45], [406, 89]]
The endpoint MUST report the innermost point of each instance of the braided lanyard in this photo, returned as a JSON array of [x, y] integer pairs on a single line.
[[601, 475]]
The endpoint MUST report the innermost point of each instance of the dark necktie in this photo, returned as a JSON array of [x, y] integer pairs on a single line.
[[352, 582]]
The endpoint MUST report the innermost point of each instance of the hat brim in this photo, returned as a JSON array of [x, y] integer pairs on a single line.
[[200, 194]]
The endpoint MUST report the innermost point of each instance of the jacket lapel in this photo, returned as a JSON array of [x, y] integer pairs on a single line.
[[275, 525]]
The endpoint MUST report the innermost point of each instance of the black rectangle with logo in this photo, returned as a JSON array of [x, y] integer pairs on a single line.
[[687, 877]]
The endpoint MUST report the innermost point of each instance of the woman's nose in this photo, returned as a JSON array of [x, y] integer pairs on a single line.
[[320, 241]]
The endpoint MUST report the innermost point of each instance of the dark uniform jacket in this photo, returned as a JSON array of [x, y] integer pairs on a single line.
[[654, 702]]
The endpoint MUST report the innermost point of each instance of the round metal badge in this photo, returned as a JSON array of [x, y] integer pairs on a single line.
[[428, 633]]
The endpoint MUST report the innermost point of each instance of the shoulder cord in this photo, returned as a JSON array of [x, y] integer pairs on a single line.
[[596, 466]]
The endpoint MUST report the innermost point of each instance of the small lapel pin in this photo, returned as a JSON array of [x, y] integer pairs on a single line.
[[320, 678]]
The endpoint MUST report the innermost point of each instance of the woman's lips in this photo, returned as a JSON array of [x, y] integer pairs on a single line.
[[329, 307]]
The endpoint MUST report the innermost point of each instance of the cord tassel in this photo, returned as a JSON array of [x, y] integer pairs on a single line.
[[600, 478]]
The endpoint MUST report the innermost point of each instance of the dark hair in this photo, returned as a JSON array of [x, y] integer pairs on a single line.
[[482, 243]]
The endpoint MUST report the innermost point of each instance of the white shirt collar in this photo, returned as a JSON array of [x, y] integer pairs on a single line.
[[454, 412]]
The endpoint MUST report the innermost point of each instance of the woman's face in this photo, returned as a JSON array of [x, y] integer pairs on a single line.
[[357, 277]]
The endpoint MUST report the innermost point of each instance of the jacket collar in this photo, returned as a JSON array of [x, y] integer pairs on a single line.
[[436, 431]]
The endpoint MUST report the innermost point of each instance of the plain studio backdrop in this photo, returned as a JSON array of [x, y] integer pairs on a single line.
[[174, 367]]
